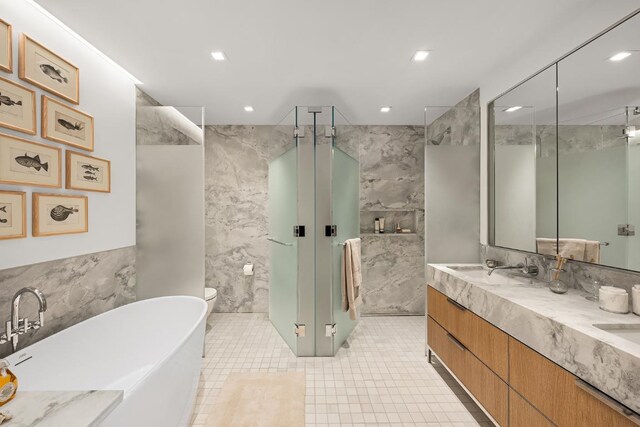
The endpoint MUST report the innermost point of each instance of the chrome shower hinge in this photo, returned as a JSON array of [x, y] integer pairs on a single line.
[[626, 230], [330, 330], [298, 132], [329, 131]]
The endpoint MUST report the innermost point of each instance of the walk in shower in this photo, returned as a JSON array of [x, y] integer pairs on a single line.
[[313, 209]]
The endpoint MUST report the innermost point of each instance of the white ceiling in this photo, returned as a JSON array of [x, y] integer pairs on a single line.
[[353, 54]]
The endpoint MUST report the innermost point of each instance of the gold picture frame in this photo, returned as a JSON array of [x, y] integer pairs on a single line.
[[87, 173], [17, 107], [25, 162], [56, 214], [49, 71], [6, 46], [13, 215], [66, 125]]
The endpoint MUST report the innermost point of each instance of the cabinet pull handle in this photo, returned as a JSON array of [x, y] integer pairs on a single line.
[[456, 304], [455, 342], [613, 404]]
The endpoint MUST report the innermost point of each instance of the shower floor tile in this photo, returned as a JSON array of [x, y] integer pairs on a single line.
[[383, 378]]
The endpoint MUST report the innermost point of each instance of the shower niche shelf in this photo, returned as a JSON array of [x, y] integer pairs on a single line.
[[407, 218]]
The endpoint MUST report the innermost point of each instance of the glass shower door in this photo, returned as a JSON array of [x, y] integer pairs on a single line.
[[283, 216]]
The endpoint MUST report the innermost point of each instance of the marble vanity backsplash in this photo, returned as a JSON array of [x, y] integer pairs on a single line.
[[76, 289], [577, 275]]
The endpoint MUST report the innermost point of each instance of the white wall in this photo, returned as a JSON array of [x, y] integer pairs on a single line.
[[588, 21], [109, 95]]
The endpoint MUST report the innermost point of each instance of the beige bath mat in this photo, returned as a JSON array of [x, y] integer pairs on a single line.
[[260, 400]]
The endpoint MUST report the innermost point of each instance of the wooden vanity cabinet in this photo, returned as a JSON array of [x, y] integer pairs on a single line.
[[548, 387], [483, 339], [523, 414], [516, 385]]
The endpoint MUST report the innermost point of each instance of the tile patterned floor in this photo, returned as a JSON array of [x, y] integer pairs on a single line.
[[382, 379]]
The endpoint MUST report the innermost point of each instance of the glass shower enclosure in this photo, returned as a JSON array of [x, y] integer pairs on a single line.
[[313, 208]]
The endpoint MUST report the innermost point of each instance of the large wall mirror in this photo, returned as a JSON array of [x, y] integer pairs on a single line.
[[565, 155]]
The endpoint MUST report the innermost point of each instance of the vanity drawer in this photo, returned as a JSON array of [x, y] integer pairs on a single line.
[[483, 339], [481, 381], [548, 387], [446, 347], [522, 414], [599, 410]]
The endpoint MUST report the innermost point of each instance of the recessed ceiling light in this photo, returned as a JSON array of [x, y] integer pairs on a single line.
[[420, 55], [620, 56], [248, 108], [512, 109], [385, 109], [218, 55]]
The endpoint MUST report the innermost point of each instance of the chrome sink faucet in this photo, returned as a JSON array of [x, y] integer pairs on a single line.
[[526, 268], [17, 326]]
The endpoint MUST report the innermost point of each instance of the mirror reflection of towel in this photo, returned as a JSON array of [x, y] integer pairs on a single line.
[[351, 277], [576, 249]]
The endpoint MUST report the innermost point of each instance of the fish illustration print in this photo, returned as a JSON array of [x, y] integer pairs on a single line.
[[32, 162], [60, 213], [90, 178], [90, 167], [3, 221], [68, 125], [4, 99], [56, 75], [3, 209]]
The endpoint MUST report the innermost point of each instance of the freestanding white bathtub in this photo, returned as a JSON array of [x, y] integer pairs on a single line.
[[151, 349]]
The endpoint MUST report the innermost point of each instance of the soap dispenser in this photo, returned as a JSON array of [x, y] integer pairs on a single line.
[[8, 383]]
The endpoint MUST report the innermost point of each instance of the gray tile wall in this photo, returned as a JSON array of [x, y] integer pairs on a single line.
[[76, 289], [577, 275], [236, 173]]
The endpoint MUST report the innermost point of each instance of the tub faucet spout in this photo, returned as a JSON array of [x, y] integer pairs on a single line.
[[18, 326]]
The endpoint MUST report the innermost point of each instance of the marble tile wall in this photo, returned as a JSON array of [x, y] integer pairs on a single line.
[[458, 126], [161, 125], [577, 275], [236, 174], [392, 185], [75, 288], [236, 217]]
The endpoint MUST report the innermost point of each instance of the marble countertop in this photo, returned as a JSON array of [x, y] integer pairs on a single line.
[[61, 408], [560, 327]]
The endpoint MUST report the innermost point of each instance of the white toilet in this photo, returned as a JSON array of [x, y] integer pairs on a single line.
[[210, 296]]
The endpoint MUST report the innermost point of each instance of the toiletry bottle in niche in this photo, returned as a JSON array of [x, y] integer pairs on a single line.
[[381, 225], [8, 383], [376, 226]]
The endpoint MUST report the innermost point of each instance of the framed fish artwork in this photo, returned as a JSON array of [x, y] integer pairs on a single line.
[[47, 70], [17, 107], [13, 215], [29, 163], [66, 125], [6, 47], [55, 214], [87, 172]]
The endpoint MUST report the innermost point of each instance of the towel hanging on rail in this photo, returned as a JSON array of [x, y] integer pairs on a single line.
[[351, 277]]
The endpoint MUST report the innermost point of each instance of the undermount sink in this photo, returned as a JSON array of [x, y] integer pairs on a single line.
[[629, 332]]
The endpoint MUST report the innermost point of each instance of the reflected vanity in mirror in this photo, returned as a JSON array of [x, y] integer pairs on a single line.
[[565, 155]]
